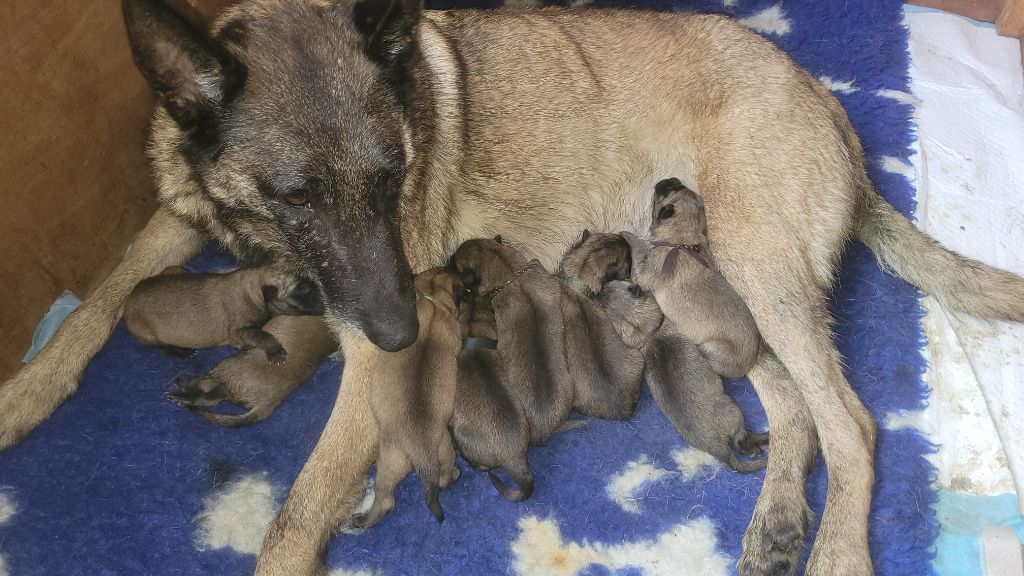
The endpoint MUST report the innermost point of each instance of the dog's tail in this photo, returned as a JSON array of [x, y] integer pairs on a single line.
[[228, 420], [959, 283], [523, 478]]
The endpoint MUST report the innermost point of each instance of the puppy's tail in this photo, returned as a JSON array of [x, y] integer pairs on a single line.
[[523, 478], [228, 420], [959, 283]]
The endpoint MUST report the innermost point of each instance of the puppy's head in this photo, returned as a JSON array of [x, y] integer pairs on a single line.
[[441, 285], [485, 264], [677, 214], [634, 314], [286, 295], [597, 259]]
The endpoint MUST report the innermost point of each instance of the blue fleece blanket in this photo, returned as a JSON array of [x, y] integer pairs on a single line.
[[122, 481]]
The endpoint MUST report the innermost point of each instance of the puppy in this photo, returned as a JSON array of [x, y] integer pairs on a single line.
[[527, 311], [248, 380], [178, 311], [682, 383], [606, 369], [676, 268], [413, 398], [489, 426]]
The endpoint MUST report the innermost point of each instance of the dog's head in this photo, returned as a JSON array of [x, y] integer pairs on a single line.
[[597, 259], [483, 265], [292, 118], [634, 314], [442, 285], [678, 214]]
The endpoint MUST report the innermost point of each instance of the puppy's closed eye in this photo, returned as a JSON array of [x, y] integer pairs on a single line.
[[634, 289], [666, 212]]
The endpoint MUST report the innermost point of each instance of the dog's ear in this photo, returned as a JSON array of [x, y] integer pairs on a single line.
[[498, 239], [186, 70], [667, 185], [388, 28], [586, 234]]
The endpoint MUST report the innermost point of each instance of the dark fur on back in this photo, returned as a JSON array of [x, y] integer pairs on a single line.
[[607, 372], [530, 329], [489, 425], [692, 397]]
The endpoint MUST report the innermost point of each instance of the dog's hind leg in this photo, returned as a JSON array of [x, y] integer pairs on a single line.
[[52, 376], [332, 481], [794, 320], [775, 537]]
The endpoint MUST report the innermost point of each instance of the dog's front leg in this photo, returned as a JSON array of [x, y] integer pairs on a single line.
[[775, 536], [52, 376], [333, 479]]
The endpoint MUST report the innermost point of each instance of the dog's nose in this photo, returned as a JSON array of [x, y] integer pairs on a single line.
[[395, 333]]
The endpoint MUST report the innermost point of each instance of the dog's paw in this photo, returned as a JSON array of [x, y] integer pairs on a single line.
[[775, 536], [277, 355], [750, 443]]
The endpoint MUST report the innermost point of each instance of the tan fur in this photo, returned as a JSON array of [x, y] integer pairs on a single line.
[[252, 382], [176, 310], [489, 424], [691, 292], [413, 399], [507, 127]]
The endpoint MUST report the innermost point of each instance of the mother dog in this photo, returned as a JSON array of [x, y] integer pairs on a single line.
[[359, 140]]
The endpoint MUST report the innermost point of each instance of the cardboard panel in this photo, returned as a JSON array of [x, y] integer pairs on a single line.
[[73, 175]]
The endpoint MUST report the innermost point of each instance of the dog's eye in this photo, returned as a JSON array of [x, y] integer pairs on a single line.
[[296, 198], [666, 212]]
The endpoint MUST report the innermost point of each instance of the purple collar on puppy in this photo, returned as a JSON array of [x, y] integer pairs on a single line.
[[669, 265]]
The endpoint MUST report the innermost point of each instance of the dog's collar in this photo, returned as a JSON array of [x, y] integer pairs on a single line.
[[576, 284], [438, 303], [669, 265], [479, 343], [490, 294]]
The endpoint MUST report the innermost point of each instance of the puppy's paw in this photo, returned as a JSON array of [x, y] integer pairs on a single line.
[[750, 443], [839, 556], [277, 355], [205, 392]]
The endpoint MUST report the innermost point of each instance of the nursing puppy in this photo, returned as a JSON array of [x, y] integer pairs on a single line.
[[178, 311], [676, 268], [250, 381], [489, 426], [682, 383], [413, 398], [527, 311], [606, 370]]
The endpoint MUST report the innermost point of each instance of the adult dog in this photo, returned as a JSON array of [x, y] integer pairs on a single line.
[[356, 141]]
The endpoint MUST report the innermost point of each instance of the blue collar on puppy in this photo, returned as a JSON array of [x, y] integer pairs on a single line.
[[669, 265]]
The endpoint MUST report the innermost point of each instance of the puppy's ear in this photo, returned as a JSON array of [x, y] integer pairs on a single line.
[[189, 74], [388, 28], [498, 239], [667, 185], [637, 249], [634, 289], [269, 293], [586, 234]]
